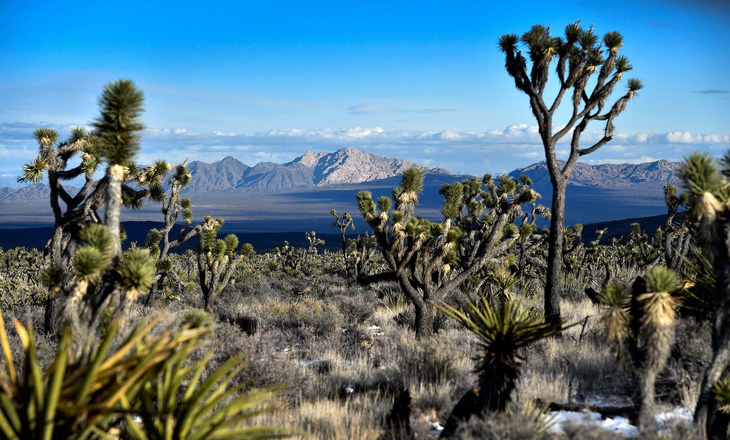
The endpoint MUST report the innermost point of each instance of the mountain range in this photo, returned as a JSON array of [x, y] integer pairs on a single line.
[[298, 195], [344, 166]]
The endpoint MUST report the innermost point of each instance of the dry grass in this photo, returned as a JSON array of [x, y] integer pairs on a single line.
[[339, 349]]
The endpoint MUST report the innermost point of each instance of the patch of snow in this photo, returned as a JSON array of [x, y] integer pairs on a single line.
[[436, 428], [615, 424]]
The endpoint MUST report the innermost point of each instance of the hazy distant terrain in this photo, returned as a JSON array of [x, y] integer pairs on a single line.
[[297, 196]]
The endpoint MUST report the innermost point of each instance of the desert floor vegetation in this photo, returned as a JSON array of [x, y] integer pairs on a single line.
[[343, 352]]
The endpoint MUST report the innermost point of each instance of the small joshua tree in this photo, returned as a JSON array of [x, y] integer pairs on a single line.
[[580, 57], [502, 332], [641, 331], [343, 222], [360, 254], [217, 259], [429, 259], [677, 240], [172, 207]]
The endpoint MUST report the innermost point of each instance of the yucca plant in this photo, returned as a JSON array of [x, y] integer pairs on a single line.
[[178, 405], [86, 397], [77, 398], [503, 333]]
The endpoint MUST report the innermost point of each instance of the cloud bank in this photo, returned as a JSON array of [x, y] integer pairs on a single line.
[[468, 152]]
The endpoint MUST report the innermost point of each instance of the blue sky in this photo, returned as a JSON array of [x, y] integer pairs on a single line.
[[419, 80]]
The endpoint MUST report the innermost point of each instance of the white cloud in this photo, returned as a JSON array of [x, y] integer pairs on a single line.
[[460, 151]]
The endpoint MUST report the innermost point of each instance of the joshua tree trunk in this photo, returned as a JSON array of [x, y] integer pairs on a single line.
[[424, 314], [706, 414], [555, 252], [114, 206]]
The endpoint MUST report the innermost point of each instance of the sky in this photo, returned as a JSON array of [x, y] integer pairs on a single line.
[[422, 80]]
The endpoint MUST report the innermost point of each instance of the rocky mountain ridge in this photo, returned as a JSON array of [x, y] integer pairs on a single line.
[[608, 176], [346, 165]]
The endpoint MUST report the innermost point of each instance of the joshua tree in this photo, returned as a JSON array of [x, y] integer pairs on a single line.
[[361, 251], [72, 213], [100, 272], [579, 57], [342, 222], [429, 260], [503, 333], [641, 330], [677, 240], [172, 207], [217, 259], [710, 215]]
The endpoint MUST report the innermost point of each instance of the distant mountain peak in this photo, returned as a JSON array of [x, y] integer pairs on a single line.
[[344, 166], [228, 159]]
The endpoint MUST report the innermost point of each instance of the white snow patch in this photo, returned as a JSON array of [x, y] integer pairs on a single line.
[[615, 424], [436, 428]]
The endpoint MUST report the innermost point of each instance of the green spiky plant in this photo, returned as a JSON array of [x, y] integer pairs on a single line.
[[427, 259], [81, 397], [708, 189], [677, 240], [640, 328], [588, 69], [502, 332], [217, 258], [342, 222], [115, 141], [361, 252], [158, 241]]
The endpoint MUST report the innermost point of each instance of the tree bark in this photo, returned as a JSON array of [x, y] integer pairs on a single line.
[[555, 252], [114, 207], [423, 319]]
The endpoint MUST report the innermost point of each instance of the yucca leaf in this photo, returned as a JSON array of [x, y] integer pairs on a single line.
[[33, 367], [90, 377], [133, 429], [7, 354], [205, 387], [9, 411], [196, 376], [140, 332], [54, 386], [7, 429]]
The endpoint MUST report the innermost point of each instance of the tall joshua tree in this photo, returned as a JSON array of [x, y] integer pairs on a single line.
[[580, 57], [98, 271], [73, 212]]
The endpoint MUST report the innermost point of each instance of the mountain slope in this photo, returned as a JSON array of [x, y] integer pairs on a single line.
[[654, 174], [344, 166]]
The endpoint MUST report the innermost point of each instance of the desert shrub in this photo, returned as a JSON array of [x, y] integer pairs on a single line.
[[428, 361], [356, 309], [518, 423]]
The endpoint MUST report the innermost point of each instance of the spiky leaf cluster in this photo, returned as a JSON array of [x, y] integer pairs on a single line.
[[136, 271], [502, 332], [121, 104]]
